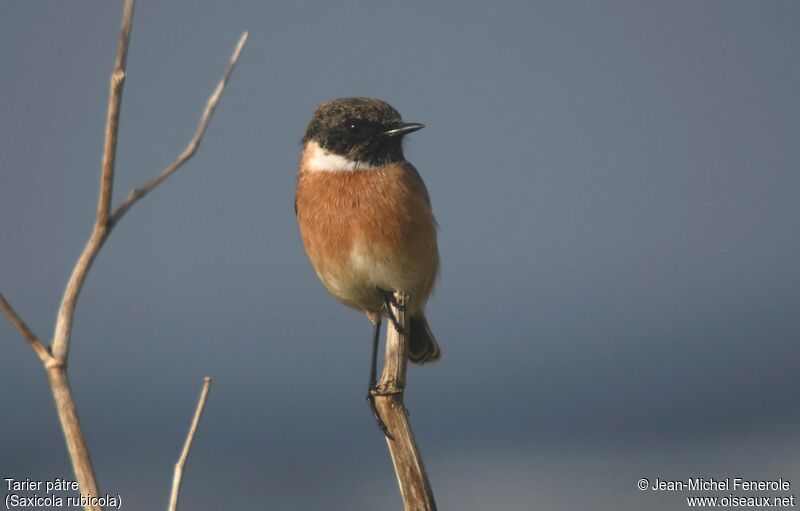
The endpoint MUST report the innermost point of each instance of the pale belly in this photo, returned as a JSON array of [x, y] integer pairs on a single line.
[[368, 268]]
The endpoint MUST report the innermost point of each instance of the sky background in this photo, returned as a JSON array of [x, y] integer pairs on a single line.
[[616, 185]]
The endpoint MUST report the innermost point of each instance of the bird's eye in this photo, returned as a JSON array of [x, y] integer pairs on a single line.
[[355, 127]]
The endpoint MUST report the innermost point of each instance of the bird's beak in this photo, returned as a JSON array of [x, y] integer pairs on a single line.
[[404, 129]]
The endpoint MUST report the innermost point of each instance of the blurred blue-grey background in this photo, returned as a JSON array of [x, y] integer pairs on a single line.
[[617, 188]]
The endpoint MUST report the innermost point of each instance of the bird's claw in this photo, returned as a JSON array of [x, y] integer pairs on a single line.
[[371, 393], [388, 301]]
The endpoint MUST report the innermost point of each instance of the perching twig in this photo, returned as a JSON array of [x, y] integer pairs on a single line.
[[178, 473], [55, 360], [414, 485]]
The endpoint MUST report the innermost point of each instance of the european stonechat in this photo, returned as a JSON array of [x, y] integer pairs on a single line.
[[365, 216]]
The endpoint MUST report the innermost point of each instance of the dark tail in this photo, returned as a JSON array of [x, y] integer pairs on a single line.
[[422, 345]]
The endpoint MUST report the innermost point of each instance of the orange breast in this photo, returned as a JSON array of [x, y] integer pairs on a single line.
[[369, 229]]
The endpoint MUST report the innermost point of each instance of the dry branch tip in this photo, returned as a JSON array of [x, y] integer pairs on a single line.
[[177, 475]]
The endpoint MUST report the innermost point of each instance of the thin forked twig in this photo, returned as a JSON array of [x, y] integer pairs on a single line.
[[55, 359], [112, 117], [66, 311], [61, 337], [177, 475], [25, 331], [191, 147]]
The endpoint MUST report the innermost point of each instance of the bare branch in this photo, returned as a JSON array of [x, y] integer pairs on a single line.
[[63, 330], [193, 144], [112, 116], [73, 434], [25, 331], [177, 476], [411, 477], [56, 363], [66, 312]]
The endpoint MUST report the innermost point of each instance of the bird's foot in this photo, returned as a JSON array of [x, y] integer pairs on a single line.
[[388, 301], [388, 297], [371, 393]]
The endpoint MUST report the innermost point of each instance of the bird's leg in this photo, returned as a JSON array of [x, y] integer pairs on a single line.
[[373, 379], [373, 369], [388, 301]]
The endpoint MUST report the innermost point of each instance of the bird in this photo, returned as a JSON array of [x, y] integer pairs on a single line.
[[365, 219]]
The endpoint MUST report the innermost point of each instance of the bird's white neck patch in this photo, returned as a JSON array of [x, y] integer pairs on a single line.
[[322, 160]]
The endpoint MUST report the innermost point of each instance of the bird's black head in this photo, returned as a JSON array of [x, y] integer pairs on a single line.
[[360, 129]]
